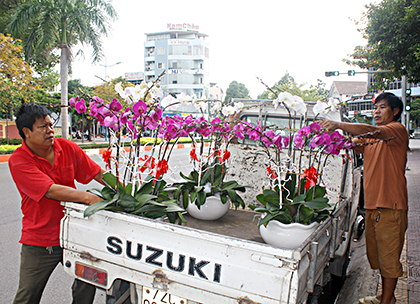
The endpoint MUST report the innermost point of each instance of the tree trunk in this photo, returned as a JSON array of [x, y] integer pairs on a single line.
[[64, 72]]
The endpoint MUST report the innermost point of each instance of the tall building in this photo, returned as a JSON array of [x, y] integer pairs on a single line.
[[183, 53]]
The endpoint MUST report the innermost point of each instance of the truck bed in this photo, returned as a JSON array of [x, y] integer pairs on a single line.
[[222, 261]]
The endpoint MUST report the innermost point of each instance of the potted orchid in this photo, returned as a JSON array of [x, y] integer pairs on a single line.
[[205, 185], [296, 195], [134, 181]]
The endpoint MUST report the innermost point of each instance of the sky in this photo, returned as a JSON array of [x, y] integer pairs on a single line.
[[247, 39]]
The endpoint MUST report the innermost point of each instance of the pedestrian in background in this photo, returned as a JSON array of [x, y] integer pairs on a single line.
[[385, 188], [44, 169]]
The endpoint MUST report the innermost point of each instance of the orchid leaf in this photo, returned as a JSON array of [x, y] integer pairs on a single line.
[[99, 206]]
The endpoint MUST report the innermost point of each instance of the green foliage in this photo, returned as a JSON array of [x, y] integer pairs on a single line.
[[75, 86], [362, 119], [392, 31], [197, 188], [6, 12], [15, 75], [236, 90], [150, 199], [288, 84], [297, 205], [12, 141], [415, 110]]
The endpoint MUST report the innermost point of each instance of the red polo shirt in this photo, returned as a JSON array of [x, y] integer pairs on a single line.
[[34, 175]]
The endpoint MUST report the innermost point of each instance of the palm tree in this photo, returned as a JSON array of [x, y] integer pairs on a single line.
[[46, 26]]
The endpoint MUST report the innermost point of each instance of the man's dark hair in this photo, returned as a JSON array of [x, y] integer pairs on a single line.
[[28, 114], [393, 101]]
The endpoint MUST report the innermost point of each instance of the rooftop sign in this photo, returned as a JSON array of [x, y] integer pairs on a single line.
[[182, 26]]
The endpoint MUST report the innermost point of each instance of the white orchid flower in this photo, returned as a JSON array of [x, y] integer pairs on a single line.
[[156, 92], [333, 103], [320, 109], [183, 98], [285, 98], [294, 103], [298, 105], [201, 105], [238, 106], [216, 107], [120, 91], [168, 100], [228, 110]]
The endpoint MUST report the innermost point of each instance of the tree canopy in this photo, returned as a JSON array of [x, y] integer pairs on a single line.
[[236, 90], [288, 84], [15, 75], [393, 36], [49, 25]]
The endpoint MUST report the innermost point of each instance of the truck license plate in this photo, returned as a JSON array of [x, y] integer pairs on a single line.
[[154, 296]]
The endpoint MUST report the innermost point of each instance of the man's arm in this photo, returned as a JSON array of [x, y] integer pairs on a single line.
[[69, 194], [98, 177], [353, 128]]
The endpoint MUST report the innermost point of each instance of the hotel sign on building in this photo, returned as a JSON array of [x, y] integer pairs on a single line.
[[182, 26]]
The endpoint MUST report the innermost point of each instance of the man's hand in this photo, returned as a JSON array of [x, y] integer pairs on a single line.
[[329, 124]]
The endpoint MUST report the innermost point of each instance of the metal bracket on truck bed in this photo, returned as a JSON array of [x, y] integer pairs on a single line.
[[160, 281]]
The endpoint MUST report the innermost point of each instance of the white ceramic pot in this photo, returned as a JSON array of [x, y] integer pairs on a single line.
[[212, 209], [288, 236]]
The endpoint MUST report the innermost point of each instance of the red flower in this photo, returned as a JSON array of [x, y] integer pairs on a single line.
[[106, 156], [271, 173], [311, 175], [193, 155], [226, 155], [161, 168], [149, 163]]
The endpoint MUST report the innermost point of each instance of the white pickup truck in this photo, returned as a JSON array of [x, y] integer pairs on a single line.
[[139, 260]]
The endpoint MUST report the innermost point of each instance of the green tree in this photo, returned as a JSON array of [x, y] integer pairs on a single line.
[[288, 84], [49, 25], [392, 31], [15, 76], [415, 111], [6, 11], [236, 90]]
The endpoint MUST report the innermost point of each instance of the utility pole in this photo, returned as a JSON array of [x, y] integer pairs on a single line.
[[403, 98]]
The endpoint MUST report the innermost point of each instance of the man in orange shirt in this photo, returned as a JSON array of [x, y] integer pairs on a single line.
[[386, 202]]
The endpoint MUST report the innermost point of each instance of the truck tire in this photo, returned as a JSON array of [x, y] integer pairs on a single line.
[[119, 290]]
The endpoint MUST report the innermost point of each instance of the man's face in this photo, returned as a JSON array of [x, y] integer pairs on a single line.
[[383, 114], [42, 134]]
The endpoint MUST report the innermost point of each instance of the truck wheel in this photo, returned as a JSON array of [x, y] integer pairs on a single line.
[[120, 287]]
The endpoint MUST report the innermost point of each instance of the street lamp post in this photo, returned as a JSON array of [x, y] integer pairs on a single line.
[[108, 66]]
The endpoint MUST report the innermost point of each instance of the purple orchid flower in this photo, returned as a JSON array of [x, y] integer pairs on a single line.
[[80, 106], [314, 127], [115, 105]]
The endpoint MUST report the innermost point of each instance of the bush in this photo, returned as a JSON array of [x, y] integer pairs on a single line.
[[12, 141]]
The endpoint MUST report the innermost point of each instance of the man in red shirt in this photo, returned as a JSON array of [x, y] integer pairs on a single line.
[[386, 203], [44, 169]]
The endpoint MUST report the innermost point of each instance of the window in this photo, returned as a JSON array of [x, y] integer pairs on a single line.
[[161, 65], [180, 50], [161, 51]]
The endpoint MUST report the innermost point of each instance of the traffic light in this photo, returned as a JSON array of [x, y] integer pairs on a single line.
[[351, 72], [407, 92], [332, 73], [408, 103]]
